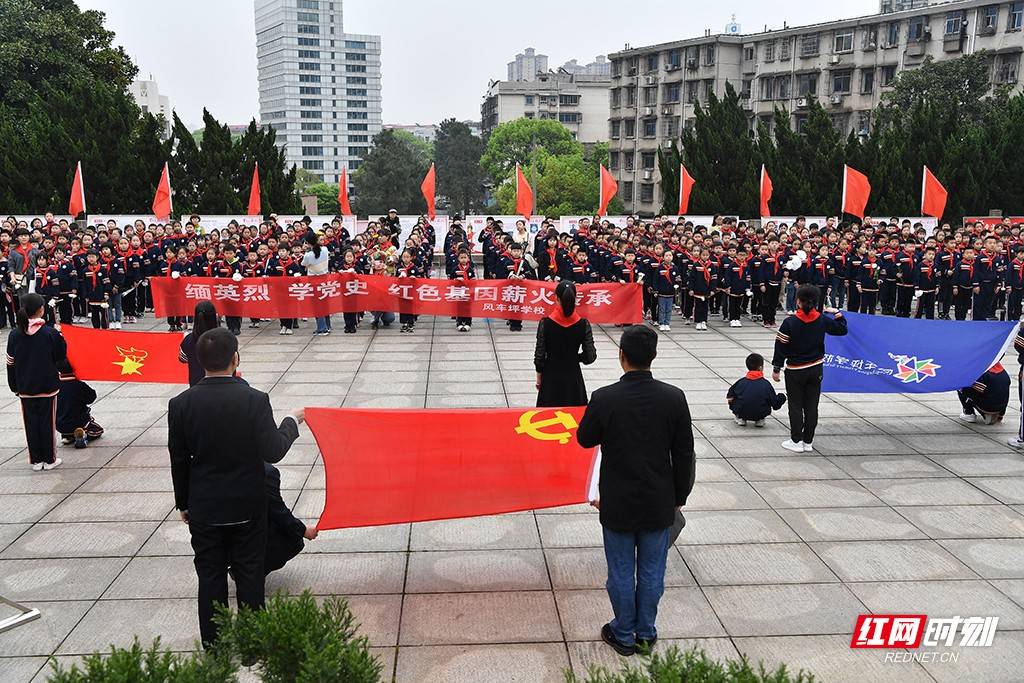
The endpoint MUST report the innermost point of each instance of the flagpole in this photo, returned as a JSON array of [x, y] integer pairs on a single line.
[[842, 207], [81, 180], [924, 178]]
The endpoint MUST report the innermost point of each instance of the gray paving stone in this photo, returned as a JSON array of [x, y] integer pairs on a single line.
[[1012, 588], [982, 465], [733, 526], [43, 635], [20, 669], [584, 654], [363, 539], [849, 524], [966, 521], [750, 563], [999, 663], [502, 531], [724, 496], [573, 568], [829, 658], [377, 616], [717, 470], [941, 598], [888, 466], [170, 538], [683, 612], [1009, 490], [155, 577], [24, 480], [27, 507], [540, 662], [471, 618], [89, 539], [9, 532], [570, 531], [112, 507], [153, 479], [113, 622], [860, 445], [476, 570], [787, 468], [931, 491], [804, 494], [341, 573], [891, 561], [58, 579], [990, 558], [951, 443], [807, 608]]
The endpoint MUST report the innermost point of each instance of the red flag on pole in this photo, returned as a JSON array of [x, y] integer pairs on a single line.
[[254, 192], [608, 189], [343, 204], [933, 195], [162, 200], [116, 356], [856, 190], [524, 195], [427, 187], [766, 192], [76, 204], [686, 182], [504, 460]]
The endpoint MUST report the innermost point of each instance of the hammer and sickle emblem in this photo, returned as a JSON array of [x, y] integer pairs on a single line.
[[534, 429]]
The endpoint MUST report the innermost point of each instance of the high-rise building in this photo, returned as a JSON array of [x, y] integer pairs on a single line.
[[320, 88], [527, 65], [599, 67], [578, 102], [147, 95]]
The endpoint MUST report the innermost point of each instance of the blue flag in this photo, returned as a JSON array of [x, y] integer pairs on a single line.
[[885, 355]]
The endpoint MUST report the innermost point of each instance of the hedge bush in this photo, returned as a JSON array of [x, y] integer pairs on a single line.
[[691, 666]]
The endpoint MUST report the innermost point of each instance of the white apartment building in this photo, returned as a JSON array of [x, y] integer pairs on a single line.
[[846, 65], [320, 88], [526, 65], [147, 95], [579, 102]]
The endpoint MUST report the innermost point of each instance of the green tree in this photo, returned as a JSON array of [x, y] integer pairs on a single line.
[[520, 140], [390, 175], [278, 179], [668, 168], [326, 198], [216, 164], [567, 184], [184, 167], [304, 178], [460, 176], [961, 86]]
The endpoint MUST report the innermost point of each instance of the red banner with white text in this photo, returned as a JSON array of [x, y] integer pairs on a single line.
[[306, 297]]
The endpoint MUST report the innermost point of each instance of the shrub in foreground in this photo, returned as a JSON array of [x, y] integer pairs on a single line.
[[691, 666]]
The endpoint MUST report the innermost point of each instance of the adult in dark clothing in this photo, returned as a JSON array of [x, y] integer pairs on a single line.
[[285, 532], [800, 346], [33, 351], [205, 319], [564, 340], [647, 471], [220, 432]]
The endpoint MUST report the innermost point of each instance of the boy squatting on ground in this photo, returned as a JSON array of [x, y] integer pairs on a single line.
[[752, 398]]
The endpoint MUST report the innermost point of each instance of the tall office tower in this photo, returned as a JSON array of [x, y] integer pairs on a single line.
[[319, 87]]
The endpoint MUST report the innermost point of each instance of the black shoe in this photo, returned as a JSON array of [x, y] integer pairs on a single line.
[[374, 325], [609, 637], [645, 646]]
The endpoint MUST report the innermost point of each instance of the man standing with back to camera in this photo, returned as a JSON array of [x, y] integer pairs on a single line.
[[647, 471], [220, 433]]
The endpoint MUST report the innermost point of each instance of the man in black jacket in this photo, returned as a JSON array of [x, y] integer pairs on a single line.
[[285, 532], [647, 469], [220, 433]]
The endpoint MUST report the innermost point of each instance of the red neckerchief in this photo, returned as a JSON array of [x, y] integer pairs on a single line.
[[284, 264], [557, 316], [706, 271], [743, 267], [211, 268], [823, 267], [997, 368], [666, 273], [778, 258], [807, 317], [755, 374], [515, 265], [45, 277], [971, 264], [552, 262], [125, 255], [24, 251], [631, 267], [93, 272], [464, 271]]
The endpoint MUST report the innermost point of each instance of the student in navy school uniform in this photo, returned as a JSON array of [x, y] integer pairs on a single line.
[[869, 280], [47, 285], [926, 279], [1015, 284], [74, 418], [408, 269], [252, 268], [703, 282], [96, 290], [820, 276], [906, 264], [986, 279], [462, 270], [752, 398], [116, 277], [737, 282], [985, 401], [665, 282], [67, 284], [515, 266], [963, 283]]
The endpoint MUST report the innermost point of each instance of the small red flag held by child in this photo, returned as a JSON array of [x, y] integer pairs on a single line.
[[116, 356], [452, 463]]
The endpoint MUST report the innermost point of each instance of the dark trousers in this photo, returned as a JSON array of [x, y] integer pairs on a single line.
[[961, 302], [242, 547], [735, 306], [1013, 304], [128, 303], [904, 295], [99, 316], [40, 416], [984, 301], [351, 320], [887, 296], [770, 302], [233, 323], [64, 309], [926, 306], [700, 310], [407, 318], [972, 401], [945, 297], [868, 300], [803, 391], [853, 304]]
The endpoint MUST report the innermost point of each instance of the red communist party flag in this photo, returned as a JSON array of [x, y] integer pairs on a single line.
[[686, 182], [76, 204], [608, 189], [162, 200], [766, 192], [346, 209], [254, 192], [856, 190], [933, 195], [116, 356], [524, 195], [428, 187], [503, 460]]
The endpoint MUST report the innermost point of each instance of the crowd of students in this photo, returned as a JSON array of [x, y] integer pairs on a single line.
[[100, 274]]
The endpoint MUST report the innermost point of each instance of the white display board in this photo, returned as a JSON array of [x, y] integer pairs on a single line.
[[317, 222], [930, 224], [121, 220], [28, 218], [570, 223], [706, 221], [790, 220]]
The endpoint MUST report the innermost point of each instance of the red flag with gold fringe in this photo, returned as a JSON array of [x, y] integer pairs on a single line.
[[117, 356]]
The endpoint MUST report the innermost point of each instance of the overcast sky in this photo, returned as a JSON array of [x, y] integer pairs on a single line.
[[438, 56]]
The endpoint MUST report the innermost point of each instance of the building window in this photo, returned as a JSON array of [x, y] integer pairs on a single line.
[[313, 164], [748, 53], [615, 130], [782, 88], [954, 23], [1007, 68], [651, 96], [355, 68], [769, 51], [630, 128], [312, 151], [672, 91], [671, 126], [308, 16], [312, 138], [356, 80], [309, 54], [806, 84], [309, 28], [308, 4], [569, 100], [357, 104], [308, 78], [355, 56], [839, 123], [841, 81], [916, 31], [709, 87], [650, 128], [646, 192], [627, 190], [800, 120], [809, 45], [309, 114], [767, 88], [311, 125], [355, 44], [627, 161], [888, 75], [353, 164], [1013, 22], [870, 38], [274, 115], [358, 138], [843, 41], [675, 60], [745, 87], [616, 67], [357, 151], [309, 42], [692, 92], [784, 48], [613, 160], [358, 126], [308, 90], [867, 81], [989, 19], [569, 117], [631, 97], [863, 123], [709, 55], [652, 62], [892, 35], [306, 102], [356, 92], [309, 66], [528, 100], [647, 160], [358, 115], [615, 99]]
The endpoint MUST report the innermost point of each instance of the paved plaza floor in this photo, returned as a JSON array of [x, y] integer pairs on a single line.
[[903, 509]]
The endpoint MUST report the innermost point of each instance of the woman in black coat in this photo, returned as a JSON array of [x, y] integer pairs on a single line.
[[564, 340], [206, 318]]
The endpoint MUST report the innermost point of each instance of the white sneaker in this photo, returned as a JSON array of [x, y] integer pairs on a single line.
[[1015, 443], [284, 330], [808, 447], [740, 421], [668, 328], [739, 323], [968, 417], [52, 465], [797, 447], [37, 467], [288, 331], [759, 423]]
